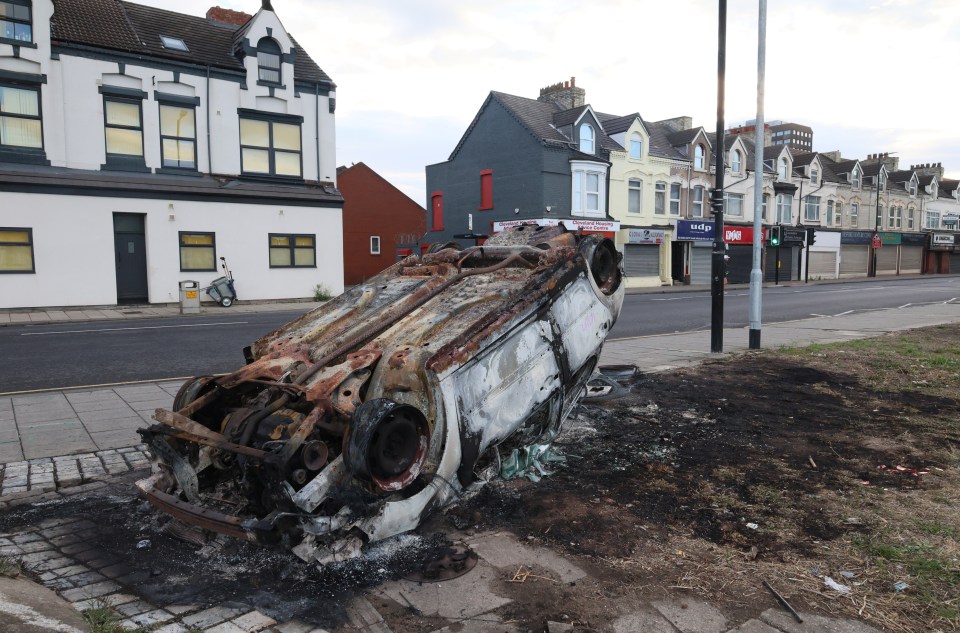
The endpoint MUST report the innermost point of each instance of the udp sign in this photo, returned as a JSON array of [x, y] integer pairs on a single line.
[[739, 235]]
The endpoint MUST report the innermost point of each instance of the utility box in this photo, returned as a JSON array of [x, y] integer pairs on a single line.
[[189, 297]]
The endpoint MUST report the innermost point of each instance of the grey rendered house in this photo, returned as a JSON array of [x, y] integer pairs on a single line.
[[538, 161]]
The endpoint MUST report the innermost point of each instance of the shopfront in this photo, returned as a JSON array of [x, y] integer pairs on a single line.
[[940, 252], [693, 251], [911, 253], [644, 256], [888, 256], [855, 253]]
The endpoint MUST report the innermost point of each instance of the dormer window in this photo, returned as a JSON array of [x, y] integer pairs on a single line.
[[16, 21], [636, 145], [855, 178], [883, 181], [736, 161], [268, 61], [174, 44], [698, 157], [782, 169], [913, 186], [933, 189], [587, 141], [814, 175]]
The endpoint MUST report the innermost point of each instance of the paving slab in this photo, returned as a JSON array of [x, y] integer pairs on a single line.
[[487, 625], [690, 615], [26, 607], [461, 598], [813, 623], [505, 551], [754, 626], [647, 620]]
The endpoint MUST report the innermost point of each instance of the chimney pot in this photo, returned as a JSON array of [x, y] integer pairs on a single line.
[[573, 82]]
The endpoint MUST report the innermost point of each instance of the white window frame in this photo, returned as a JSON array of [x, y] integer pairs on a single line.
[[736, 161], [811, 208], [588, 139], [931, 215], [784, 208], [730, 209], [783, 170], [660, 198], [699, 156], [855, 178], [699, 191], [854, 214], [838, 213], [581, 196], [634, 195], [675, 201], [636, 145], [830, 216], [883, 181], [374, 244], [913, 186], [911, 218]]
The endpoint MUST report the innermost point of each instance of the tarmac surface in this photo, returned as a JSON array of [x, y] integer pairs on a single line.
[[66, 441]]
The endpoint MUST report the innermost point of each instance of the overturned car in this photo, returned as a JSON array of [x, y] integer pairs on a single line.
[[356, 420]]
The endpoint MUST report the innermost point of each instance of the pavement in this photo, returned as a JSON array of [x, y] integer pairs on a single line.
[[65, 442]]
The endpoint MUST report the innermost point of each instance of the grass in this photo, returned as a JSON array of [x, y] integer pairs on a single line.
[[9, 567], [321, 293], [102, 619]]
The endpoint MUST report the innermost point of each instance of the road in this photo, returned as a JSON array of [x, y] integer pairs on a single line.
[[59, 355]]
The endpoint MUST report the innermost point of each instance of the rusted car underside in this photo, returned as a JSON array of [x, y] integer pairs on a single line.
[[356, 420]]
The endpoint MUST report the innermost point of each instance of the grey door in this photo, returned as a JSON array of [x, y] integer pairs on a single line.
[[129, 239]]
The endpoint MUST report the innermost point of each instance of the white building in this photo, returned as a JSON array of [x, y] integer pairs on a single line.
[[139, 146]]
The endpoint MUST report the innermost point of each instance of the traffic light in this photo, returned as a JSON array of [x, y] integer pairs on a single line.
[[775, 235], [811, 236]]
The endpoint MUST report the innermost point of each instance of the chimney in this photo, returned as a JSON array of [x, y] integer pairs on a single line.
[[219, 15], [892, 163], [834, 155], [929, 169], [565, 94], [678, 124]]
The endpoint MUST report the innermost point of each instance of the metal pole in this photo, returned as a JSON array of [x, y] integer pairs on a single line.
[[756, 274], [718, 264]]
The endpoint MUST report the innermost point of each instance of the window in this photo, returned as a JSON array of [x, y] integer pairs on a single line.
[[883, 181], [733, 204], [932, 220], [586, 193], [123, 132], [811, 211], [178, 136], [855, 178], [586, 138], [911, 214], [698, 201], [784, 208], [636, 145], [198, 252], [16, 251], [736, 161], [268, 61], [782, 170], [293, 251], [912, 187], [174, 43], [486, 189], [829, 212], [270, 147], [15, 21], [838, 212], [660, 198], [20, 123], [436, 208], [374, 244], [814, 175], [896, 217], [854, 213], [698, 157], [880, 217], [765, 205], [675, 198], [634, 196]]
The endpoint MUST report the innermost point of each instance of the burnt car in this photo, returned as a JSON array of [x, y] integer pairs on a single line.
[[353, 422]]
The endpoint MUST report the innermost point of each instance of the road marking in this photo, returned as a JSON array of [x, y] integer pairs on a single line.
[[822, 316], [97, 386], [949, 301], [843, 313], [145, 327], [906, 305]]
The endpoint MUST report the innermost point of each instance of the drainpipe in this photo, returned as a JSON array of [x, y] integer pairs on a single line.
[[209, 148], [316, 92]]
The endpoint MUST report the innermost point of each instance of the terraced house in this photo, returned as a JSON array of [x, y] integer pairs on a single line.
[[139, 146]]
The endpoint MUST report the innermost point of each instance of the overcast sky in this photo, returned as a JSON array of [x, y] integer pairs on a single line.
[[867, 75]]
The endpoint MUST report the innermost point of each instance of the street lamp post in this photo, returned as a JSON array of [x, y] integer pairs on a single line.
[[718, 267]]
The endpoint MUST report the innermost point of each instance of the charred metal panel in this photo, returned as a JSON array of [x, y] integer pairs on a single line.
[[356, 420]]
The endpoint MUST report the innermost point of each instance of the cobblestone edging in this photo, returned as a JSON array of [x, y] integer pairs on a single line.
[[24, 479], [59, 554]]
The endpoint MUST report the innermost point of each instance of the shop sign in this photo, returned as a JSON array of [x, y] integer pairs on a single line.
[[697, 230], [944, 239], [793, 234], [913, 238], [856, 237], [590, 226], [645, 236], [890, 238], [740, 234]]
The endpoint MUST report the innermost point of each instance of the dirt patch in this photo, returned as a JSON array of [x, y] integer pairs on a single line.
[[787, 465]]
